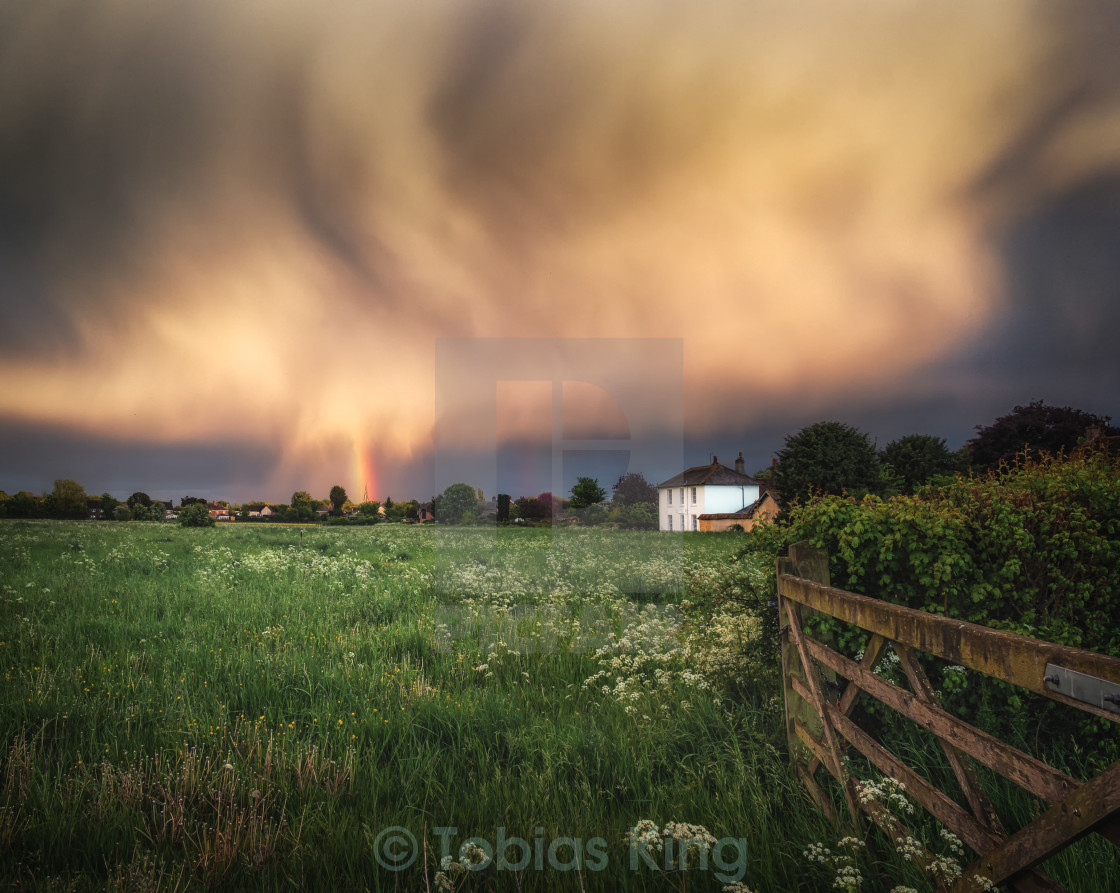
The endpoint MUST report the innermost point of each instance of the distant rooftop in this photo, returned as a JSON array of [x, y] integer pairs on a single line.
[[714, 475]]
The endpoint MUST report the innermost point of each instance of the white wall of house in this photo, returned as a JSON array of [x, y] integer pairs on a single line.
[[686, 504]]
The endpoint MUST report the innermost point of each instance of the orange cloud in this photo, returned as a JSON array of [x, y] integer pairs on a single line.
[[262, 215]]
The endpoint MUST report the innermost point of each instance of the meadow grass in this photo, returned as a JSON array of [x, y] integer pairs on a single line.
[[256, 706]]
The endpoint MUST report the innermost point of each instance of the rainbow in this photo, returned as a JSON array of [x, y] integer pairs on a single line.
[[364, 473]]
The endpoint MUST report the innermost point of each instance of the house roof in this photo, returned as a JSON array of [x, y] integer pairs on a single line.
[[746, 512], [714, 475]]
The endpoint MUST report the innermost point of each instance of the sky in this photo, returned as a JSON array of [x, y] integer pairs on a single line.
[[233, 236]]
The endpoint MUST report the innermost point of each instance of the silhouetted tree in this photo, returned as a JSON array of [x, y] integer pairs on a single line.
[[1030, 429], [916, 459], [196, 516], [586, 491], [632, 488], [67, 500], [828, 457], [456, 505]]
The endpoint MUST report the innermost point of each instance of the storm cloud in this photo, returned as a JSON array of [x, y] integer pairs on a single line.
[[254, 219]]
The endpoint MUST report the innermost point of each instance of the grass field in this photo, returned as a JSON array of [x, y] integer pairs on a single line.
[[269, 707]]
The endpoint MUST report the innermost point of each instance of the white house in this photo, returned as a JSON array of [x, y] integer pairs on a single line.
[[704, 490]]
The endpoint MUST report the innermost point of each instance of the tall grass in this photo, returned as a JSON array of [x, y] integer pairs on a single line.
[[252, 707]]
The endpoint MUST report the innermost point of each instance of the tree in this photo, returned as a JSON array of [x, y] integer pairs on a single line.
[[139, 498], [401, 511], [24, 505], [503, 508], [108, 504], [829, 457], [528, 509], [632, 489], [546, 502], [68, 500], [1033, 428], [338, 499], [121, 513], [369, 508], [195, 516], [302, 508], [151, 512], [586, 491], [918, 459], [457, 504], [639, 516], [534, 507], [192, 500]]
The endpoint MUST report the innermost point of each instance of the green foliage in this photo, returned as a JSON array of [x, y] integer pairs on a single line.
[[108, 504], [121, 513], [918, 459], [458, 504], [534, 508], [636, 516], [68, 500], [1033, 549], [402, 511], [151, 512], [633, 489], [195, 516], [585, 492], [139, 498], [338, 498], [24, 505], [830, 458], [249, 709], [503, 507], [302, 508]]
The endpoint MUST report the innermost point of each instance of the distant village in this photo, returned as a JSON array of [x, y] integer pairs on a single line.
[[707, 497], [825, 458]]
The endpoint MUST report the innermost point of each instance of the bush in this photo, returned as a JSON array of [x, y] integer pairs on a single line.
[[458, 504], [1033, 548], [195, 516]]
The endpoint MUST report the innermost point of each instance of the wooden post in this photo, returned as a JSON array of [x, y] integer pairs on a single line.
[[809, 563]]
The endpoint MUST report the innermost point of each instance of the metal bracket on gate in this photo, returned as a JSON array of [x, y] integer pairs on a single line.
[[1081, 687]]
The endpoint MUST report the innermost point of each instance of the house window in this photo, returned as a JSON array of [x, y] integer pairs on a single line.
[[694, 496], [670, 520], [669, 493], [682, 495], [695, 523]]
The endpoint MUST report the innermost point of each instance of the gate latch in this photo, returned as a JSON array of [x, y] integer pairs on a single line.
[[1082, 687]]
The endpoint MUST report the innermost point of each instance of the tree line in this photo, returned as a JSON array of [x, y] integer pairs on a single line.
[[833, 458], [828, 457]]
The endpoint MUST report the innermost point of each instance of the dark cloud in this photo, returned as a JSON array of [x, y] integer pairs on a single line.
[[32, 456], [905, 218], [1058, 339]]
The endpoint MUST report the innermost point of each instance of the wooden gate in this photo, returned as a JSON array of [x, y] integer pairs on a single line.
[[818, 724]]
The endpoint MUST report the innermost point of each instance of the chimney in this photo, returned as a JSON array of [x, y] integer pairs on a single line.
[[739, 463], [715, 461]]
